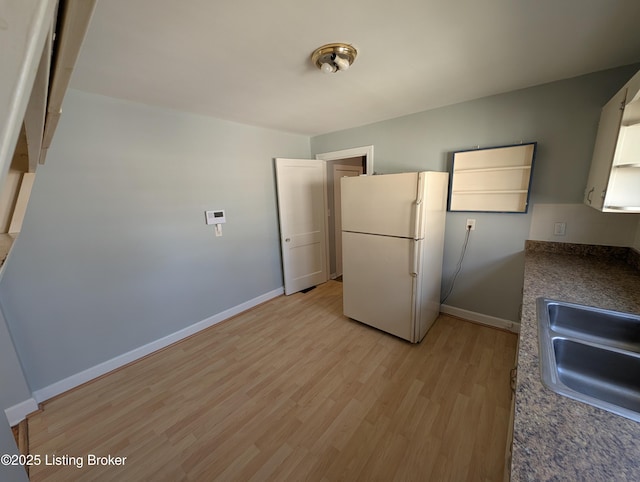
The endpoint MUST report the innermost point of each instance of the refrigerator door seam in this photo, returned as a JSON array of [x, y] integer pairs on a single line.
[[383, 235]]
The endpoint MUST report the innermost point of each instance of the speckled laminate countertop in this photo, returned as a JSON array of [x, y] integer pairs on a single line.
[[556, 438]]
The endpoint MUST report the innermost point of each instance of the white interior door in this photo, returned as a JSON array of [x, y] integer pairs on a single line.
[[340, 171], [302, 208]]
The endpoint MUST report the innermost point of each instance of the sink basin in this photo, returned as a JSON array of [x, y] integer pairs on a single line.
[[606, 375], [591, 355], [611, 328]]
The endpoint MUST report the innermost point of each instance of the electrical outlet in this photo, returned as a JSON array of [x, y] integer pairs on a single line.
[[471, 224]]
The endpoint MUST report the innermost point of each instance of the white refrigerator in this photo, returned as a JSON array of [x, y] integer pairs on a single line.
[[392, 244]]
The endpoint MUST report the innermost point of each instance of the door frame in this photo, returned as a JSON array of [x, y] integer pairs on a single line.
[[364, 151]]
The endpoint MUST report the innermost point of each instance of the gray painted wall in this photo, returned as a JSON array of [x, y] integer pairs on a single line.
[[9, 473], [13, 385], [114, 252], [561, 116]]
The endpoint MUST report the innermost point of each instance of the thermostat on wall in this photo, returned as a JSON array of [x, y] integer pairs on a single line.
[[215, 217]]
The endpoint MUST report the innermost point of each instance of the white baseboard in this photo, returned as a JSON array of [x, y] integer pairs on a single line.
[[19, 412], [105, 367], [480, 318]]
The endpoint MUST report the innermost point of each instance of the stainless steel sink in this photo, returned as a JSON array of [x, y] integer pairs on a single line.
[[610, 328], [591, 355]]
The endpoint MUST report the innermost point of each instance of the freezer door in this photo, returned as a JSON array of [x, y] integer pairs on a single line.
[[380, 204], [378, 286]]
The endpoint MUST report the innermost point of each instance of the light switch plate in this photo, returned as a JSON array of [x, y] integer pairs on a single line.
[[560, 229]]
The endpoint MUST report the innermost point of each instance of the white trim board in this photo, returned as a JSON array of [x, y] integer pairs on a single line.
[[501, 323], [366, 151], [89, 374], [17, 413]]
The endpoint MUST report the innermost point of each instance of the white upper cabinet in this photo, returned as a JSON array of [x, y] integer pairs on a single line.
[[614, 177]]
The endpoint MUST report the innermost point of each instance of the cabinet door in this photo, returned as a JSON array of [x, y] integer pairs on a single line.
[[606, 139]]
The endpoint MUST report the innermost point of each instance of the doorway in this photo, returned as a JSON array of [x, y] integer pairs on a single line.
[[336, 170], [348, 162]]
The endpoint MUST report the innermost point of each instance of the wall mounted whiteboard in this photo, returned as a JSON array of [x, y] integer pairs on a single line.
[[495, 179]]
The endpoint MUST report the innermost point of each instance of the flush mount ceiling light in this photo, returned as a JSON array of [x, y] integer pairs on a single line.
[[334, 57]]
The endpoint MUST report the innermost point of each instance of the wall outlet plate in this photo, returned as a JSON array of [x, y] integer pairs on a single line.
[[471, 224]]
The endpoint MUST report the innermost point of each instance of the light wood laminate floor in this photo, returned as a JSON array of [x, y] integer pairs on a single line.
[[292, 390]]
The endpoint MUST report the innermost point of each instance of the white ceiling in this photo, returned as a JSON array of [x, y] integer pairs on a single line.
[[249, 60]]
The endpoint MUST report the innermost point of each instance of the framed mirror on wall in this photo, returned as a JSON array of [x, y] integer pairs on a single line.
[[494, 179]]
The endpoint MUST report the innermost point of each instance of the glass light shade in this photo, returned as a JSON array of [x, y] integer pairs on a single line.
[[327, 68]]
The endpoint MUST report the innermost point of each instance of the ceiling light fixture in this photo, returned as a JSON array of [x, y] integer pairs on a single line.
[[332, 58]]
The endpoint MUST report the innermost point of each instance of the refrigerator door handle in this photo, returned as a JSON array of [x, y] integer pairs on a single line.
[[417, 220], [414, 258], [420, 188]]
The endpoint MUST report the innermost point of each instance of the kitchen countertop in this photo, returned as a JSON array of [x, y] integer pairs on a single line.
[[554, 437]]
